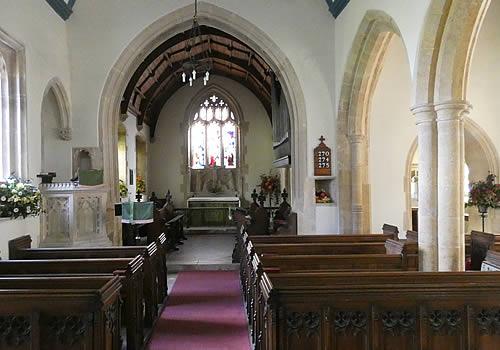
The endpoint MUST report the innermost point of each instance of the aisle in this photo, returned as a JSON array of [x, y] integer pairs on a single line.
[[204, 312]]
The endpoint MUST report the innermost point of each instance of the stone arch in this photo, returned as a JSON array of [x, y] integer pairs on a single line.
[[486, 145], [171, 24], [457, 47], [407, 188], [477, 143], [56, 86], [363, 67]]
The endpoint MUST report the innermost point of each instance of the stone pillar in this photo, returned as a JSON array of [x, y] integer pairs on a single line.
[[451, 159], [427, 187], [358, 168]]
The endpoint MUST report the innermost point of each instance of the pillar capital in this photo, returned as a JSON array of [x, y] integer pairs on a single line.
[[425, 113], [452, 110]]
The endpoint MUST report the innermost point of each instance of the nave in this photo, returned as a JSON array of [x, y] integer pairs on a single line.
[[261, 174]]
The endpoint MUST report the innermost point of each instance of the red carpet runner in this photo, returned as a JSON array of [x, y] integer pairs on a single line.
[[204, 312]]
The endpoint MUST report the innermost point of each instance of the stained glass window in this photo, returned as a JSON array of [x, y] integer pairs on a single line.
[[213, 135]]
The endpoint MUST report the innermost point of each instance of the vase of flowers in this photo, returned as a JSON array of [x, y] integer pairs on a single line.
[[270, 185], [19, 198], [485, 195], [140, 185], [123, 189]]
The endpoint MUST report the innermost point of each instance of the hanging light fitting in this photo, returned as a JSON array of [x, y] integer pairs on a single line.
[[193, 65]]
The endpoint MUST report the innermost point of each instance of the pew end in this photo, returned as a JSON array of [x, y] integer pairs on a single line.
[[17, 244], [407, 249], [391, 230]]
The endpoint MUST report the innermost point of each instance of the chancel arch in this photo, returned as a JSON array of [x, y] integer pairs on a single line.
[[180, 21], [363, 67]]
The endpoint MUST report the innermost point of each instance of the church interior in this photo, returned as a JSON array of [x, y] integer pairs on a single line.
[[207, 175]]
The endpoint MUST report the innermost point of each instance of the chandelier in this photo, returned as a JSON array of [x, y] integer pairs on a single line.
[[195, 66]]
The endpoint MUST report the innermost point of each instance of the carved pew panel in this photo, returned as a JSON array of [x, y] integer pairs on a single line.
[[60, 313], [155, 289], [131, 276], [381, 311]]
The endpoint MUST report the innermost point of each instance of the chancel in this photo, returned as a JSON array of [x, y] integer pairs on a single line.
[[249, 174]]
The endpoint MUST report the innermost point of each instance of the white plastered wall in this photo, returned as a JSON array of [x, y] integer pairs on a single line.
[[392, 131], [55, 152], [43, 34], [482, 93], [168, 152]]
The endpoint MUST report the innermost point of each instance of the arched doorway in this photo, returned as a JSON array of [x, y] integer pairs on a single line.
[[179, 21]]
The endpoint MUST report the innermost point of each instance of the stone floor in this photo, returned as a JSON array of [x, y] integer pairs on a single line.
[[202, 252]]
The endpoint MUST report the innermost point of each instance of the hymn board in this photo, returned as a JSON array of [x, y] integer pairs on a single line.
[[322, 159]]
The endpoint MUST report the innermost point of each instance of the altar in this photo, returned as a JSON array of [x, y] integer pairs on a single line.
[[211, 211]]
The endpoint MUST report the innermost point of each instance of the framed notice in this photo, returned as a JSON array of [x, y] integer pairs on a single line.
[[322, 159]]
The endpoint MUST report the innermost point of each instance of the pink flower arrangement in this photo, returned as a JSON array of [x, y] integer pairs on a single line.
[[485, 194]]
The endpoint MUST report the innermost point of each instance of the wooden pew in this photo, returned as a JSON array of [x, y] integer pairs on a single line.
[[320, 248], [130, 271], [174, 229], [476, 246], [380, 310], [335, 244], [312, 263], [155, 283], [399, 256], [60, 313]]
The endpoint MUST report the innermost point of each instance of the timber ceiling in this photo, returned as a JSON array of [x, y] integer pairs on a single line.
[[159, 76]]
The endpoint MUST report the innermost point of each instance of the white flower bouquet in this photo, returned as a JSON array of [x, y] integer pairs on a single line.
[[19, 198]]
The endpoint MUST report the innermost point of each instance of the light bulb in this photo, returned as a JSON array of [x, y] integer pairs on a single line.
[[194, 74], [207, 75], [183, 77], [190, 81], [205, 81]]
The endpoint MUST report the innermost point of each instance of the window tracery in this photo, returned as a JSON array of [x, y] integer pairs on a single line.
[[213, 135]]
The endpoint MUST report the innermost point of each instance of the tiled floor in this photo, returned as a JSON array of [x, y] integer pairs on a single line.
[[202, 252]]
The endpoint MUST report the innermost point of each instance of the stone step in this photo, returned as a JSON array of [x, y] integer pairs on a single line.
[[207, 230], [173, 268]]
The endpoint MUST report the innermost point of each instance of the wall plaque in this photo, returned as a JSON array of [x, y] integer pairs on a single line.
[[322, 159]]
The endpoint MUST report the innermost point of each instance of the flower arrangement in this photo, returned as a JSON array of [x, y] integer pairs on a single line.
[[140, 185], [323, 197], [19, 198], [123, 189], [270, 184], [485, 194]]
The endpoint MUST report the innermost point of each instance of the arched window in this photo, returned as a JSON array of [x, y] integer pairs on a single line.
[[12, 108], [213, 135]]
